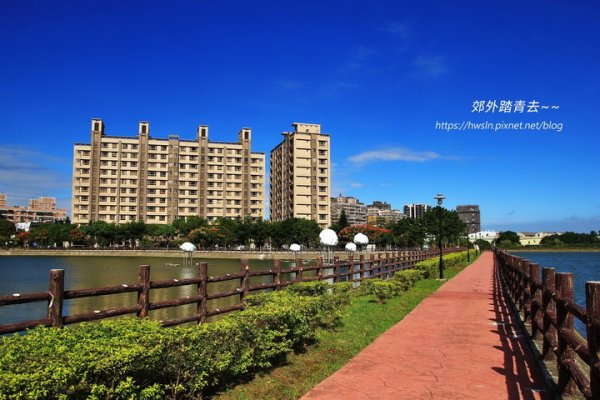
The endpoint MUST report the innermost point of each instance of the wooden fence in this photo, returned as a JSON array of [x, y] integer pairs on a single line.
[[546, 302], [350, 270]]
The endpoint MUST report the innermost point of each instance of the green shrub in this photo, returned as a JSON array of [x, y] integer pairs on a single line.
[[383, 290], [342, 291], [406, 279], [312, 288], [139, 359], [106, 360], [430, 267]]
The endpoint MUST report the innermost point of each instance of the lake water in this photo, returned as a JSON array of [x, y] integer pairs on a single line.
[[21, 274], [585, 266]]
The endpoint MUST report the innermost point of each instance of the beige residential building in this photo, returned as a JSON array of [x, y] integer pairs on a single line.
[[300, 175], [121, 179], [42, 209], [356, 212]]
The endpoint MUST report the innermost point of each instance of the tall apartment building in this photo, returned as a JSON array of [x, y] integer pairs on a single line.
[[470, 215], [356, 212], [415, 211], [42, 209], [121, 179], [300, 175]]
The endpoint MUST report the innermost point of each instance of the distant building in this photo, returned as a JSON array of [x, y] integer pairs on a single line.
[[157, 180], [533, 238], [416, 211], [42, 209], [488, 236], [378, 206], [381, 213], [300, 175], [356, 212], [470, 215]]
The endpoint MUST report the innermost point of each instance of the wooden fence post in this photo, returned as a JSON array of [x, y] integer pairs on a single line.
[[56, 290], [536, 300], [526, 292], [361, 268], [592, 299], [387, 265], [549, 311], [244, 281], [350, 263], [144, 293], [336, 269], [564, 320], [202, 290], [514, 271], [522, 285], [299, 270], [277, 277], [319, 267]]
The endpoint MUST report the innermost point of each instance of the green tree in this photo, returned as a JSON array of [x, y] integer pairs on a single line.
[[228, 231], [7, 229], [408, 232], [341, 223], [51, 234], [130, 232], [160, 233], [483, 244], [452, 228], [188, 224], [508, 238], [77, 236], [295, 230], [101, 232], [261, 232], [207, 236]]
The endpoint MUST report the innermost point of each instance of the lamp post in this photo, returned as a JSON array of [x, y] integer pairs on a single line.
[[440, 198], [468, 246]]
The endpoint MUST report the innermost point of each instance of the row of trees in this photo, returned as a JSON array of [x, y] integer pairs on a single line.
[[572, 238], [512, 239], [238, 232]]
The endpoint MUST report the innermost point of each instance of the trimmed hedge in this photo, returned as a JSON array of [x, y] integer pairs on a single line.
[[430, 267], [405, 279], [139, 359]]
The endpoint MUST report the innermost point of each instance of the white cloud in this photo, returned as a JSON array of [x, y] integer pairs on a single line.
[[356, 185], [397, 154], [430, 66], [399, 29], [289, 84]]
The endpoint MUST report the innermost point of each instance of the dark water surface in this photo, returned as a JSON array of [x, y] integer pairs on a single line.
[[22, 274], [585, 266]]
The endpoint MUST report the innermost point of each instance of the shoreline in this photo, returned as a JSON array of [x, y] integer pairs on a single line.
[[236, 255], [566, 250]]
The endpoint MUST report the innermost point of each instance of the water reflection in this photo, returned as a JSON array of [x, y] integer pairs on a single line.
[[30, 274]]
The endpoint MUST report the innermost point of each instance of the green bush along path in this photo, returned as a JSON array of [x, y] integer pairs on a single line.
[[280, 346], [364, 320]]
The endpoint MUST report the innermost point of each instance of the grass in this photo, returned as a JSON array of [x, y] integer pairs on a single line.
[[364, 321]]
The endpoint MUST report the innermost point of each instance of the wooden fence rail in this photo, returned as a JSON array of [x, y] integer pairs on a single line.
[[350, 270], [546, 302]]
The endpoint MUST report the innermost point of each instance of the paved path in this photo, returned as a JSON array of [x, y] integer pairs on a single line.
[[459, 343]]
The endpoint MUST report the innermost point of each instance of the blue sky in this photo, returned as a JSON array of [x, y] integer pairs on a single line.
[[376, 75]]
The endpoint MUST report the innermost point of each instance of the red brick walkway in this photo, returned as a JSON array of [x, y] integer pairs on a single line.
[[459, 343]]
